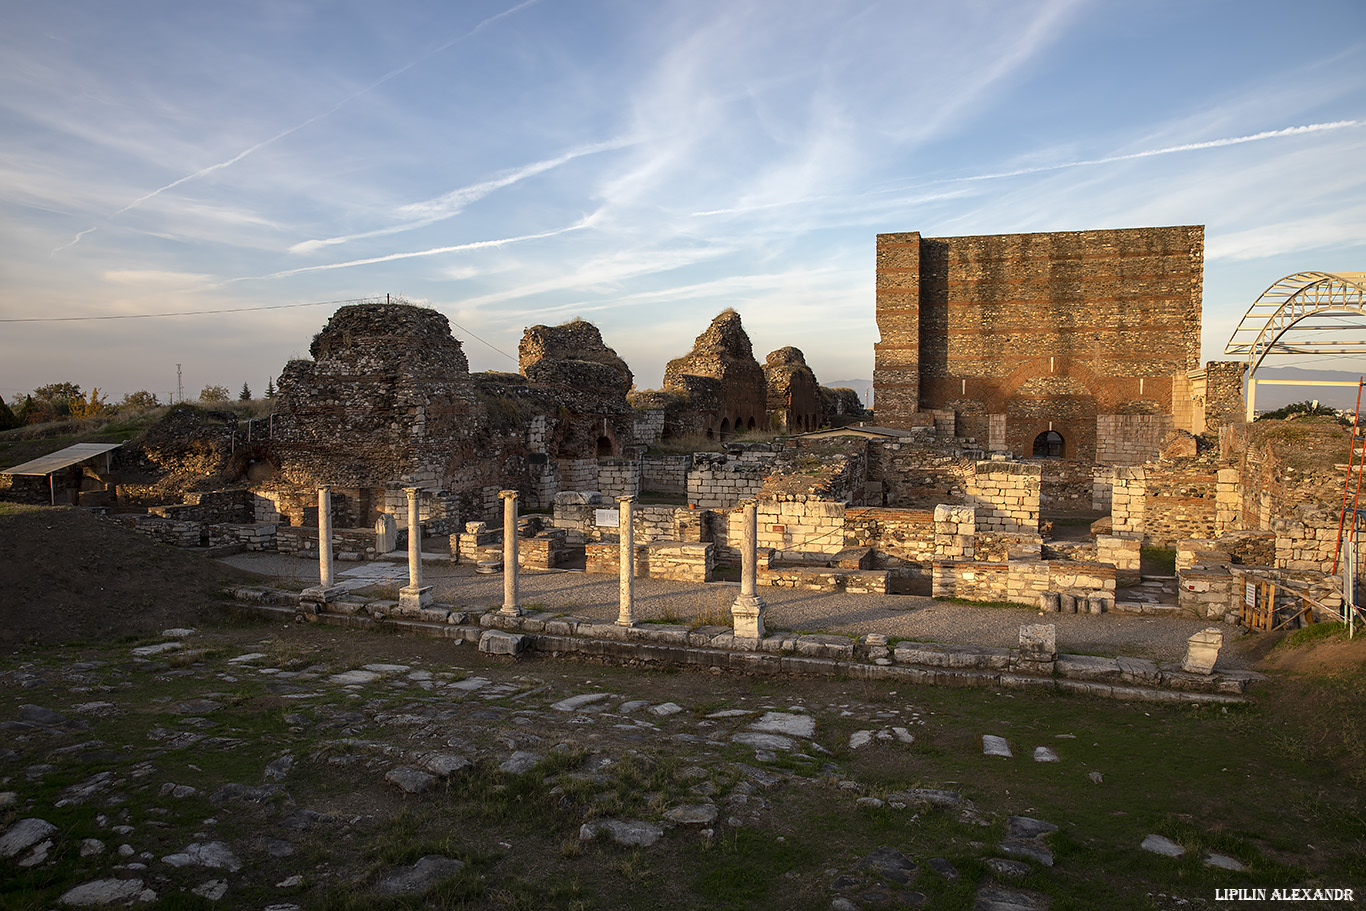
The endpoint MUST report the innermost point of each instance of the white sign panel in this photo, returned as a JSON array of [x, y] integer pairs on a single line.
[[608, 518]]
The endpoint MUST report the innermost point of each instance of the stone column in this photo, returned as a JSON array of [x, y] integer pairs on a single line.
[[324, 537], [414, 594], [510, 606], [626, 532], [747, 612]]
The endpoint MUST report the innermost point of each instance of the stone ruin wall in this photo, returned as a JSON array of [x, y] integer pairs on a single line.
[[1059, 327], [794, 397]]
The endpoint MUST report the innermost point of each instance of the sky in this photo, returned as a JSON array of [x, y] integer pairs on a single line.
[[641, 165]]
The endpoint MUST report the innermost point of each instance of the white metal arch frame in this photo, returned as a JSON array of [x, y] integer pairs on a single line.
[[1288, 302]]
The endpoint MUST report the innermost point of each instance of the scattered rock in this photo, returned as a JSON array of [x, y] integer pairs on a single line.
[[889, 863], [420, 877], [791, 724], [214, 854], [1044, 754], [700, 814], [213, 890], [577, 703], [764, 741], [107, 892], [1007, 868], [446, 764], [23, 835], [860, 739], [1157, 844], [996, 746], [1224, 862], [666, 709], [409, 781], [632, 833], [520, 763]]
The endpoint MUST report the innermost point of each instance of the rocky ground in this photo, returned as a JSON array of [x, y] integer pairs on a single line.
[[240, 762]]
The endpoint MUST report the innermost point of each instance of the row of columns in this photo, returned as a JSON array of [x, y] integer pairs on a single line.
[[747, 610]]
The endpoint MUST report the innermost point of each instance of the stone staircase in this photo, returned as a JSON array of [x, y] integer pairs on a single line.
[[1153, 595]]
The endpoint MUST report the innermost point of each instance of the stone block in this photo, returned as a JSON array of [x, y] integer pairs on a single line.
[[497, 642], [1202, 651], [1038, 642]]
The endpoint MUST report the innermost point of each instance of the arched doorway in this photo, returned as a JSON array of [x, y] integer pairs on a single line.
[[1048, 445], [725, 428], [604, 447]]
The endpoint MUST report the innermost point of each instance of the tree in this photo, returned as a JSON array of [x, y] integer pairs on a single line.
[[8, 419], [140, 399], [270, 388], [245, 394], [212, 394], [55, 400], [81, 407]]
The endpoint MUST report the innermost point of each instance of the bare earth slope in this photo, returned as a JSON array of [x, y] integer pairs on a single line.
[[67, 575]]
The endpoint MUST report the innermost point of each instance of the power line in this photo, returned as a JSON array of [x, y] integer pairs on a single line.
[[351, 300], [75, 319]]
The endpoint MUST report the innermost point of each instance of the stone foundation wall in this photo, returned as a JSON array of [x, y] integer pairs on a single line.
[[618, 477], [347, 543], [1065, 486], [1006, 495], [900, 538], [252, 536], [1180, 501], [674, 560], [1020, 581], [648, 426], [718, 481], [665, 474], [1130, 439]]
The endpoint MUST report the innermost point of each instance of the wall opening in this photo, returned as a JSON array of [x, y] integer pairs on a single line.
[[604, 447], [1048, 445]]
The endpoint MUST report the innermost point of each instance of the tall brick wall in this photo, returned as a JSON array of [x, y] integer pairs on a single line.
[[1049, 330]]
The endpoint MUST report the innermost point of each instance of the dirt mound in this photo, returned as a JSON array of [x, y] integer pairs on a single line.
[[69, 575]]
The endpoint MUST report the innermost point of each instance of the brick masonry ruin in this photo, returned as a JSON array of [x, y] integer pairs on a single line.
[[988, 345], [1087, 342]]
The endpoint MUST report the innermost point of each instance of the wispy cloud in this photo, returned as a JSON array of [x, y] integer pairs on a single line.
[[1170, 150], [448, 205], [397, 71], [434, 251]]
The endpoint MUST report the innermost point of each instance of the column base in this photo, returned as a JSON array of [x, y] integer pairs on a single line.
[[410, 597], [513, 611], [747, 615]]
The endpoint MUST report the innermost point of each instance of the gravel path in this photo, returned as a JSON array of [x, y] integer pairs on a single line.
[[900, 616]]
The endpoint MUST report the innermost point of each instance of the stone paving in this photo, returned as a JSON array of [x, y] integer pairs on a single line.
[[415, 727]]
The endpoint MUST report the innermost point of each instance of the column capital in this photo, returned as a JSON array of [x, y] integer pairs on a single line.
[[630, 498], [507, 494], [324, 488], [411, 491]]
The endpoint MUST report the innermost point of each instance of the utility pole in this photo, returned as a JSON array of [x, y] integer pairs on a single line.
[[179, 389]]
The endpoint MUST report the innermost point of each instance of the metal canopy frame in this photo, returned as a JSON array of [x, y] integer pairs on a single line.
[[1267, 326], [1284, 305]]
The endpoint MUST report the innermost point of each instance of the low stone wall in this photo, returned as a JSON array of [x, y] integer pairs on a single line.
[[1006, 495], [900, 538], [720, 481], [676, 560], [1125, 554], [546, 550], [999, 547], [1020, 581], [618, 477], [827, 580], [665, 474], [347, 543], [252, 536], [176, 532]]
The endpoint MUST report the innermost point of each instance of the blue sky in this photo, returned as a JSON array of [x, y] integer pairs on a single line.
[[640, 164]]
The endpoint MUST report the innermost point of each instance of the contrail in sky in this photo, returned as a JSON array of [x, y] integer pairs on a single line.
[[390, 257], [1188, 147], [312, 120]]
